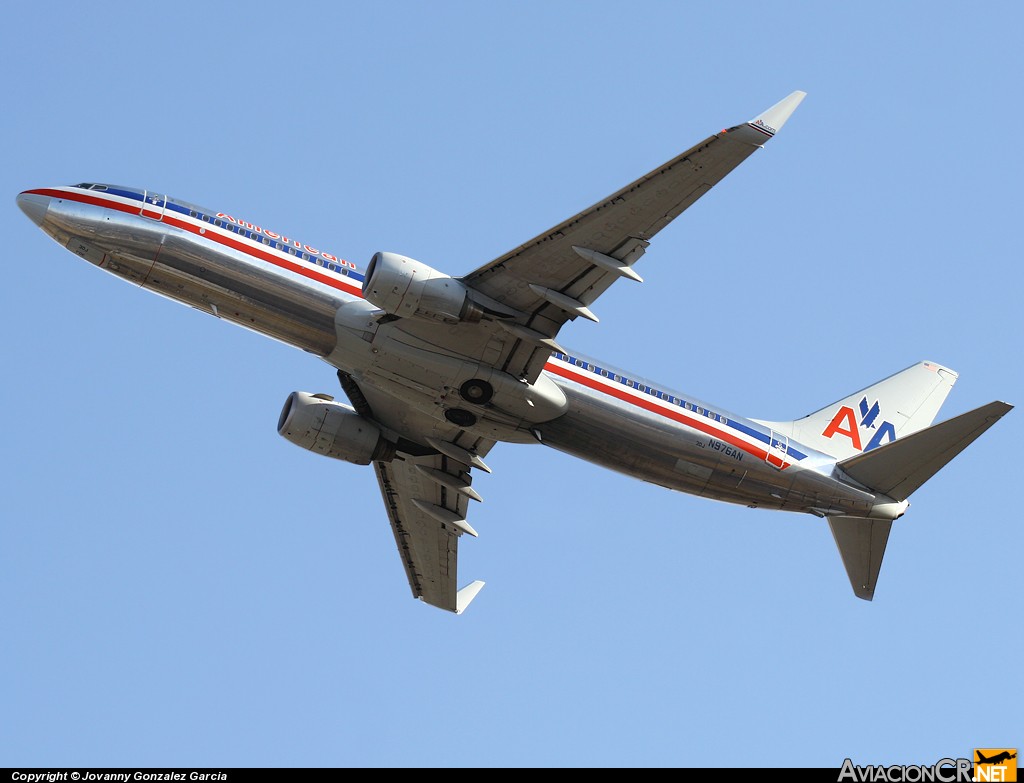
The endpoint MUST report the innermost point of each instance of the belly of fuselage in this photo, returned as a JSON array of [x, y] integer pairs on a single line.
[[648, 447], [222, 281]]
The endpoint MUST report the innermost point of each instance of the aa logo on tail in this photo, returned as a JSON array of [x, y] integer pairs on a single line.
[[846, 423], [995, 764]]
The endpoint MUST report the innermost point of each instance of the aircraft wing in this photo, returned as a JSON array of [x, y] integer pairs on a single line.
[[556, 276], [427, 500], [426, 491]]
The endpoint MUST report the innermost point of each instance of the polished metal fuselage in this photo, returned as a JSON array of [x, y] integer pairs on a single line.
[[655, 435], [156, 255]]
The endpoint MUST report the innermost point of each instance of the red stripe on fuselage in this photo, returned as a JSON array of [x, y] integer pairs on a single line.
[[173, 219], [649, 405]]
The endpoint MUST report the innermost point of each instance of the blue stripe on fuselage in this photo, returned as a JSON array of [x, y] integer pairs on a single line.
[[188, 209]]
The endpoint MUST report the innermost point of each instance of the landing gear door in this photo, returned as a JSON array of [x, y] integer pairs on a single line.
[[778, 450], [153, 206]]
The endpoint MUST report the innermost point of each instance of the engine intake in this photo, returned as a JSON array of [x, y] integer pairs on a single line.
[[410, 289], [318, 423]]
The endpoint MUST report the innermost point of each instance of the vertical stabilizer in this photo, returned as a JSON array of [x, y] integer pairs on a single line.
[[899, 405]]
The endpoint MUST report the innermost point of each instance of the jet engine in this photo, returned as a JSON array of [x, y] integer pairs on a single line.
[[410, 289], [318, 423]]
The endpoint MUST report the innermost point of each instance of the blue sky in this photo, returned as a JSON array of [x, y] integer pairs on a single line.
[[180, 586]]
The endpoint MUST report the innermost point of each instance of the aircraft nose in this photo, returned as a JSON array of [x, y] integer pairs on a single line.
[[34, 205]]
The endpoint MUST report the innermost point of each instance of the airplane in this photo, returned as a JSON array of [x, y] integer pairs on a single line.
[[438, 369], [996, 759]]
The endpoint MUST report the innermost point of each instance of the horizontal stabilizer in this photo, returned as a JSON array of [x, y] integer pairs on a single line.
[[466, 595], [899, 468], [861, 544]]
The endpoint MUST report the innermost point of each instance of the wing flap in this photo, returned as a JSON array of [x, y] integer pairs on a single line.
[[429, 554]]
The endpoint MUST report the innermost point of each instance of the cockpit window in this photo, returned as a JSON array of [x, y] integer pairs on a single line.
[[90, 186]]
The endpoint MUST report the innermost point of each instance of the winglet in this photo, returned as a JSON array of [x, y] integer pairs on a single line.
[[769, 122], [466, 595]]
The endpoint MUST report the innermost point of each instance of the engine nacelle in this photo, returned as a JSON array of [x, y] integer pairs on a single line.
[[410, 289], [318, 423]]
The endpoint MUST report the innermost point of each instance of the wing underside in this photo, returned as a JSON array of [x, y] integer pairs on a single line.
[[427, 501], [426, 490], [556, 276]]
